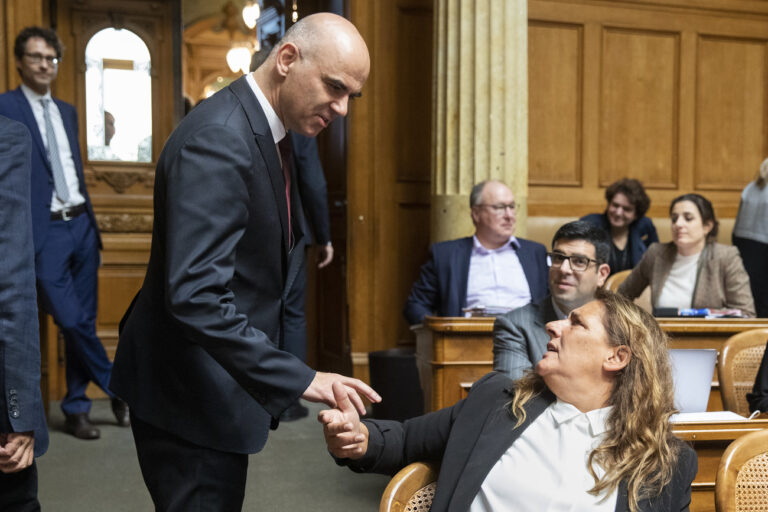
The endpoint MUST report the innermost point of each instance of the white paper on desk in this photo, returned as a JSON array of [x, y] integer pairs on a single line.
[[710, 416]]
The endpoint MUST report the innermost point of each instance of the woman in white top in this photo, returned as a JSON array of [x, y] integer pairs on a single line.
[[750, 235], [692, 271], [588, 431]]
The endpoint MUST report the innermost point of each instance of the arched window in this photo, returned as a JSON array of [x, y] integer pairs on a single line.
[[118, 96]]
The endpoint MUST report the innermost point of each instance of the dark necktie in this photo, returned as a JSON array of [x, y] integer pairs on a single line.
[[286, 149]]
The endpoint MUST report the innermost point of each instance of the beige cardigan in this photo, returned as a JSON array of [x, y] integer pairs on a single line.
[[721, 281]]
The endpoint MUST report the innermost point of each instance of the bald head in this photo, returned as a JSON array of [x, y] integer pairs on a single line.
[[312, 73]]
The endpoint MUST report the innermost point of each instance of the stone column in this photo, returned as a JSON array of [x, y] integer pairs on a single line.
[[480, 110]]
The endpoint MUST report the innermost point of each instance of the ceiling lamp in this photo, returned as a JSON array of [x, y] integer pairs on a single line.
[[251, 13], [239, 58]]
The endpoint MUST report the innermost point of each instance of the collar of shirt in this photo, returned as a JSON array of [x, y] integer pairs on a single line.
[[275, 125], [32, 97], [513, 244], [558, 312], [563, 412]]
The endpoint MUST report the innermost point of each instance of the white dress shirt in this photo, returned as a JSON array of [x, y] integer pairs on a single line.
[[545, 469], [275, 125], [677, 291], [496, 277], [65, 152]]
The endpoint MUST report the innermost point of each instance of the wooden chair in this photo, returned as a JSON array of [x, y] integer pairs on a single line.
[[737, 368], [411, 489], [613, 282], [741, 484]]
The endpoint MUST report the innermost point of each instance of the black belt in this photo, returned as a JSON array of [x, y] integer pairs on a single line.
[[68, 213]]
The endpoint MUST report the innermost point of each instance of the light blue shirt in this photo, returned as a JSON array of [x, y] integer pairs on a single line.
[[496, 277]]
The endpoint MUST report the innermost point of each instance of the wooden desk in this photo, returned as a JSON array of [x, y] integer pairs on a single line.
[[451, 352], [710, 441]]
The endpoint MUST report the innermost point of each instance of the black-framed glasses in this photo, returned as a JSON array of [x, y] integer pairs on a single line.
[[501, 208], [37, 58], [578, 262]]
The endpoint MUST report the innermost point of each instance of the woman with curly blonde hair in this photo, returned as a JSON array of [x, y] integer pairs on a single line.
[[589, 430]]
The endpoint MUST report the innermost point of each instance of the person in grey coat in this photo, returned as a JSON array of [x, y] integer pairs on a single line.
[[578, 267]]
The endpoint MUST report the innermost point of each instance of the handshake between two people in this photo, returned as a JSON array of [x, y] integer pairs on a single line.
[[345, 435]]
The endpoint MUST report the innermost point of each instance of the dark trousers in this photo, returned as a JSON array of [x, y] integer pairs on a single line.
[[755, 257], [66, 268], [18, 491], [182, 476]]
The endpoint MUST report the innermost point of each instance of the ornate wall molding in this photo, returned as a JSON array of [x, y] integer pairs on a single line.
[[124, 222]]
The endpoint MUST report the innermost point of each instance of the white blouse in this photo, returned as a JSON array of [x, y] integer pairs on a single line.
[[545, 469], [677, 291]]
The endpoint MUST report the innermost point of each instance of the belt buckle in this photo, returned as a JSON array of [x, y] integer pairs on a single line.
[[65, 215]]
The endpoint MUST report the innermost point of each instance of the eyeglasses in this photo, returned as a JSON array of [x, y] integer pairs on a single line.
[[500, 209], [578, 262], [37, 58]]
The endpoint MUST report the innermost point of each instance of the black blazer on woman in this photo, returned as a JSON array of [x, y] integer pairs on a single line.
[[470, 437]]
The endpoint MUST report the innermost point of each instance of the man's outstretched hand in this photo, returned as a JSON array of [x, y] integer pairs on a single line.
[[320, 390], [345, 435]]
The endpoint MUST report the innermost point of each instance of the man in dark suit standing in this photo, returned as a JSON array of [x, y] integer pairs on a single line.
[[66, 237], [23, 433], [491, 268], [199, 357]]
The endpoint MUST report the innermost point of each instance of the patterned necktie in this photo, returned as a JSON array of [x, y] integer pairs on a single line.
[[286, 149], [59, 182]]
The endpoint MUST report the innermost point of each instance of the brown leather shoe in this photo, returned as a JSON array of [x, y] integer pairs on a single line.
[[120, 409], [80, 426]]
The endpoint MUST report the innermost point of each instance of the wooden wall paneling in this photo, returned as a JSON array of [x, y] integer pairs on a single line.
[[670, 164], [731, 120], [360, 186], [638, 107], [555, 65], [388, 172], [14, 16]]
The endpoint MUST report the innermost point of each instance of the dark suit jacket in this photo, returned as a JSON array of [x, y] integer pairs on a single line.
[[312, 188], [758, 398], [198, 353], [442, 285], [470, 437], [21, 403], [520, 338], [642, 233], [14, 104]]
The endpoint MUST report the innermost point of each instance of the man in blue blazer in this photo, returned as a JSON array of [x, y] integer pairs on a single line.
[[23, 433], [491, 268], [66, 238]]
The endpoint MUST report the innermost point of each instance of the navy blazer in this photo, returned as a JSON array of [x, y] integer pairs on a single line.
[[197, 354], [642, 233], [21, 403], [312, 188], [442, 285], [14, 104], [468, 439]]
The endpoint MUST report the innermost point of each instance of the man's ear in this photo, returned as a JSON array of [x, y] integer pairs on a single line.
[[286, 56], [618, 359], [603, 271]]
